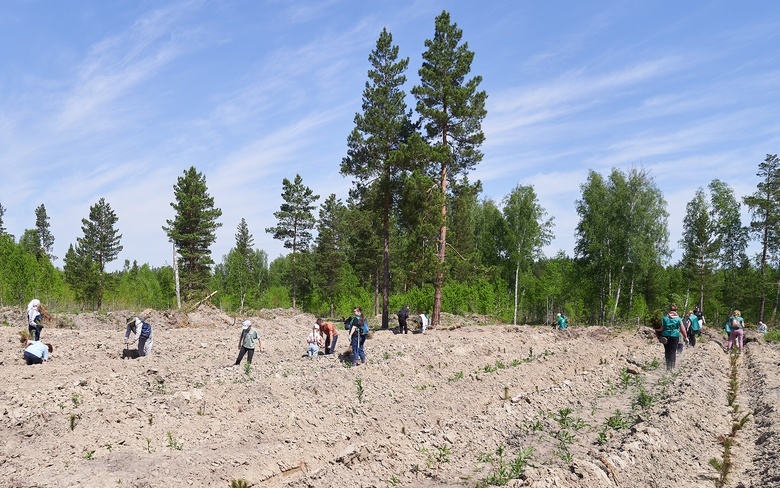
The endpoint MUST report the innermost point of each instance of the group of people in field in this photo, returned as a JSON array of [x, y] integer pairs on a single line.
[[674, 331]]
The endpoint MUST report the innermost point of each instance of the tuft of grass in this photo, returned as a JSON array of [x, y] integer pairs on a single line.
[[239, 483], [503, 467], [173, 443], [360, 390], [73, 418], [88, 455], [75, 399]]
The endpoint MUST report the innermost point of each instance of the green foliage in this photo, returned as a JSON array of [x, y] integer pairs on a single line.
[[773, 336], [503, 468], [294, 222], [98, 246], [173, 443], [193, 231]]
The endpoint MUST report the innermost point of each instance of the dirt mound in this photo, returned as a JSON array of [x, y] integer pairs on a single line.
[[461, 404]]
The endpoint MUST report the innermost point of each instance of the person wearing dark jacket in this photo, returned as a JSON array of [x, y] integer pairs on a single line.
[[403, 315]]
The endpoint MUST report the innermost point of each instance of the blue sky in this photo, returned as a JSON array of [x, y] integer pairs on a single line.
[[116, 99]]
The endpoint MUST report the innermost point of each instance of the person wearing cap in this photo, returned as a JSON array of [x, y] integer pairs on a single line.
[[35, 315], [331, 335], [246, 344], [314, 340], [37, 352], [143, 334], [563, 322]]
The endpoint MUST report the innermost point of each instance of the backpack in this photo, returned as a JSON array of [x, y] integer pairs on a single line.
[[146, 330], [403, 314], [735, 323], [348, 323], [364, 327]]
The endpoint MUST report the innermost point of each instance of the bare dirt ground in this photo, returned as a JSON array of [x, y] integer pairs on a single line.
[[586, 407]]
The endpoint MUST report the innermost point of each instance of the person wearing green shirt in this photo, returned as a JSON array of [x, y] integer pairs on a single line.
[[671, 331], [246, 343], [563, 322]]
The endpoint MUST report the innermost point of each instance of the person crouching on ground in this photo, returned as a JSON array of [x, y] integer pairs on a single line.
[[37, 352], [246, 343], [671, 330], [314, 340], [331, 335], [143, 334], [35, 315]]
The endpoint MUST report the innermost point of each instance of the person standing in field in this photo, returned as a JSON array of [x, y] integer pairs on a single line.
[[695, 327], [357, 326], [35, 315], [735, 326], [403, 315], [247, 342], [671, 330]]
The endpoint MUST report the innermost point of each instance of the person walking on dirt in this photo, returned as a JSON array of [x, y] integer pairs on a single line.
[[247, 342], [143, 334], [735, 326], [694, 327], [314, 341], [403, 315], [357, 339], [671, 330], [331, 335], [35, 315], [37, 352]]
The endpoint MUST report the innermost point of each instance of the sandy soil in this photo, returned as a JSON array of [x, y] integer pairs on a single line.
[[588, 407]]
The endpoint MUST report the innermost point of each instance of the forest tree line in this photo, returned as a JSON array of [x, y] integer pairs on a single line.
[[415, 230]]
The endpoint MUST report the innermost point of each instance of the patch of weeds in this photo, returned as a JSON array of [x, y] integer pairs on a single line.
[[503, 468], [62, 406], [434, 459], [500, 364], [73, 418], [422, 387], [603, 437], [88, 455], [393, 481], [239, 483], [565, 436], [399, 354], [173, 443], [150, 419], [515, 363], [109, 447], [616, 421], [75, 399], [360, 390], [627, 379], [644, 400], [386, 355], [159, 386], [149, 445], [199, 384], [457, 376], [651, 365]]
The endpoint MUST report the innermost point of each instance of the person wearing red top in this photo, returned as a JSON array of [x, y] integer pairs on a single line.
[[331, 335]]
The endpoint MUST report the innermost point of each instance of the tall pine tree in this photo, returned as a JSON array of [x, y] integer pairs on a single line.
[[295, 221], [375, 154], [452, 109], [193, 231], [100, 243], [764, 206], [44, 233]]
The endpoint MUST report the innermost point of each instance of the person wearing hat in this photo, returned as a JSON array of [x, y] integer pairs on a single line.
[[331, 335], [314, 339], [246, 344], [563, 322], [143, 334], [35, 315]]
